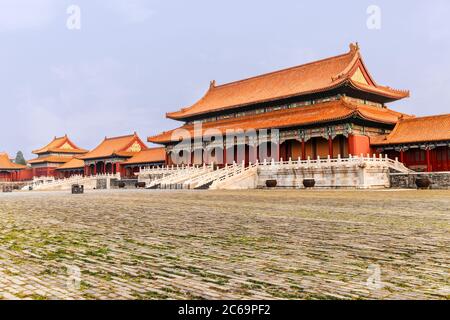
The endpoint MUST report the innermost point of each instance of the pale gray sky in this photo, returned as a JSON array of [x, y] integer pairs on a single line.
[[134, 60]]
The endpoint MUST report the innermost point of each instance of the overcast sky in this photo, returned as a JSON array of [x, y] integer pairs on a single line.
[[134, 60]]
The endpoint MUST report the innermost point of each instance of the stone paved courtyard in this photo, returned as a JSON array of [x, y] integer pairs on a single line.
[[225, 245]]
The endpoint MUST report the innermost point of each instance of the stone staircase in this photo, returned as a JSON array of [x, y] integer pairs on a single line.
[[398, 167], [205, 180], [177, 181], [240, 177]]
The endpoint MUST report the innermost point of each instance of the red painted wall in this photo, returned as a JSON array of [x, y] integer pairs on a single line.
[[358, 145], [416, 159], [23, 175], [26, 175]]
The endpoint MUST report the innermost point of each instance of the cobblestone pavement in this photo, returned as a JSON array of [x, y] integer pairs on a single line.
[[230, 245]]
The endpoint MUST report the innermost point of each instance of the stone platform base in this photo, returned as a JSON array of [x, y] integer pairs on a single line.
[[354, 176]]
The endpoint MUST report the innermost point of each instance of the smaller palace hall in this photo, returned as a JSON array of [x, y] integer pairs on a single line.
[[62, 158]]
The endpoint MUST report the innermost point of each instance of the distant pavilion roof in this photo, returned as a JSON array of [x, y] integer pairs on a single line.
[[302, 116], [123, 146], [319, 76], [60, 145], [50, 159], [74, 163], [420, 129], [7, 164], [151, 155]]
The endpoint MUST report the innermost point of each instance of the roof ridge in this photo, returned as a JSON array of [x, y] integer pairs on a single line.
[[118, 137], [308, 78], [354, 49], [284, 69], [427, 117]]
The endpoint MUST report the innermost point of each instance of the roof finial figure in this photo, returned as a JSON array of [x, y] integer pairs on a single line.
[[354, 46], [212, 84]]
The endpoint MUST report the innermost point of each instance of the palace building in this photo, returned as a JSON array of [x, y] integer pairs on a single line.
[[71, 168], [9, 171], [421, 143], [58, 152], [61, 158], [110, 153], [152, 157], [332, 107]]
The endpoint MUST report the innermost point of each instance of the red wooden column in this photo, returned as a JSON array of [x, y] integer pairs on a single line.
[[278, 143], [95, 168], [254, 149], [447, 164], [402, 156], [351, 145], [330, 146], [429, 160], [278, 158], [166, 158], [303, 149], [224, 156]]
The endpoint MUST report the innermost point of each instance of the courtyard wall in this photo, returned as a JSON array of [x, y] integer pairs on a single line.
[[439, 180]]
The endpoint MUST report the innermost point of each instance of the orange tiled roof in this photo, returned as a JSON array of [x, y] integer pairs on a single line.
[[124, 146], [318, 113], [318, 76], [74, 163], [7, 164], [421, 129], [60, 145], [50, 159], [152, 155]]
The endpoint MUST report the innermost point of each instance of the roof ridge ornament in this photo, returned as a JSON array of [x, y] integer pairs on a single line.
[[354, 47], [212, 84]]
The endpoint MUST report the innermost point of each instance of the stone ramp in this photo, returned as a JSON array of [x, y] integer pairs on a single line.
[[102, 181]]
